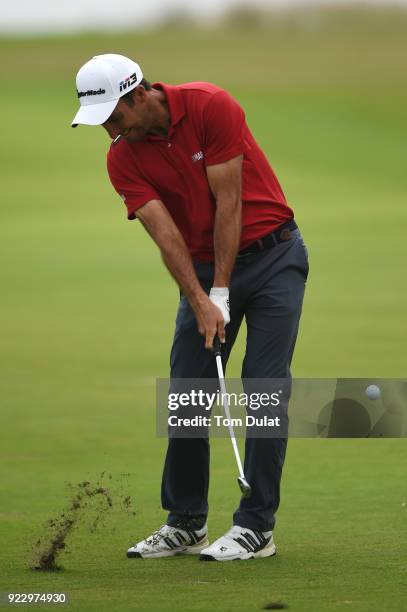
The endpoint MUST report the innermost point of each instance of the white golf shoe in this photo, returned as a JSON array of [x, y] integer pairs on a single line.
[[240, 543], [170, 541]]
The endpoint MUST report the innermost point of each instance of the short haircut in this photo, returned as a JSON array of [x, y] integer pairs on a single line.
[[128, 97]]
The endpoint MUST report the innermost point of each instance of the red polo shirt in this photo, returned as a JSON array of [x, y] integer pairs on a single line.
[[207, 127]]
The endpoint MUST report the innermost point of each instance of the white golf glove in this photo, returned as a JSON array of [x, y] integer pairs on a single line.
[[220, 297]]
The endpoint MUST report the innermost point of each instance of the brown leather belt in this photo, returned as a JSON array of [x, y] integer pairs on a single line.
[[281, 234]]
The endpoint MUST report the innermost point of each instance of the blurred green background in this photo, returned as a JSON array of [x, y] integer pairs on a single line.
[[88, 309]]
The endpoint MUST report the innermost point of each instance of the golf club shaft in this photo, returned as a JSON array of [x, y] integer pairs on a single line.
[[225, 404]]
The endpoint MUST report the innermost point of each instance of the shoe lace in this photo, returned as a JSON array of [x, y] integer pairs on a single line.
[[155, 537]]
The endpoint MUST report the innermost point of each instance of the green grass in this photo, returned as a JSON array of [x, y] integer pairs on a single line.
[[88, 310]]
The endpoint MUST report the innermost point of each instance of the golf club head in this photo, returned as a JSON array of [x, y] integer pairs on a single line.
[[244, 487]]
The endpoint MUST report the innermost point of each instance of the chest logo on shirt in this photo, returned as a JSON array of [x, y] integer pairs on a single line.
[[197, 156]]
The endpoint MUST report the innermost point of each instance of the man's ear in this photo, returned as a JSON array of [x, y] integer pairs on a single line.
[[139, 94]]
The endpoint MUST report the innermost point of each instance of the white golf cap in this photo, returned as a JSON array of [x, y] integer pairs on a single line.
[[100, 83]]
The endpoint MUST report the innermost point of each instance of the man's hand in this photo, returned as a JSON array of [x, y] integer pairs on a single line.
[[220, 297], [210, 320]]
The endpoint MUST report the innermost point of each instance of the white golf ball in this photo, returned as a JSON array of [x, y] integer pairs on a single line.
[[373, 392]]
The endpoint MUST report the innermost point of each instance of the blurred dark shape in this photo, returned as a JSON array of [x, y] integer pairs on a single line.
[[246, 16], [344, 418]]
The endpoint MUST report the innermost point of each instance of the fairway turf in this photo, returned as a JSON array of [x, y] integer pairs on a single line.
[[88, 311]]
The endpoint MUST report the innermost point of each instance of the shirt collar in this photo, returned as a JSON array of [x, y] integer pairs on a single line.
[[175, 102]]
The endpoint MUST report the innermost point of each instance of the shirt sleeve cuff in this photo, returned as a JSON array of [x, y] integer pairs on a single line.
[[225, 155]]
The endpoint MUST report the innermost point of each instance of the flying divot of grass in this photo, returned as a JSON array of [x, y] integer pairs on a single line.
[[89, 503]]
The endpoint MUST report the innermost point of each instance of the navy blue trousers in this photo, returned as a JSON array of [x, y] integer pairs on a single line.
[[267, 290]]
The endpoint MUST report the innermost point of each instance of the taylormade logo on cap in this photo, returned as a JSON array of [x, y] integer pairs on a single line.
[[100, 83], [90, 92]]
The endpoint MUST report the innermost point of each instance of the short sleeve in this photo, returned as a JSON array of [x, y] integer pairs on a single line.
[[132, 188], [224, 122]]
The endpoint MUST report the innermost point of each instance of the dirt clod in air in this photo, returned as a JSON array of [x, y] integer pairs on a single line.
[[90, 504]]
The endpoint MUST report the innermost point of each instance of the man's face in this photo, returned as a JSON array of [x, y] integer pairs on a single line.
[[130, 119]]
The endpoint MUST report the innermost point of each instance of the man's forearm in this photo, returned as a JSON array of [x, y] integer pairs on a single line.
[[228, 225], [178, 261], [175, 254], [162, 229]]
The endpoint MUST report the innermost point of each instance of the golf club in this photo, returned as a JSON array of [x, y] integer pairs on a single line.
[[242, 482]]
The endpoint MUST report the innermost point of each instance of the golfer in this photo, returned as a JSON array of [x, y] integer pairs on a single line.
[[186, 165]]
